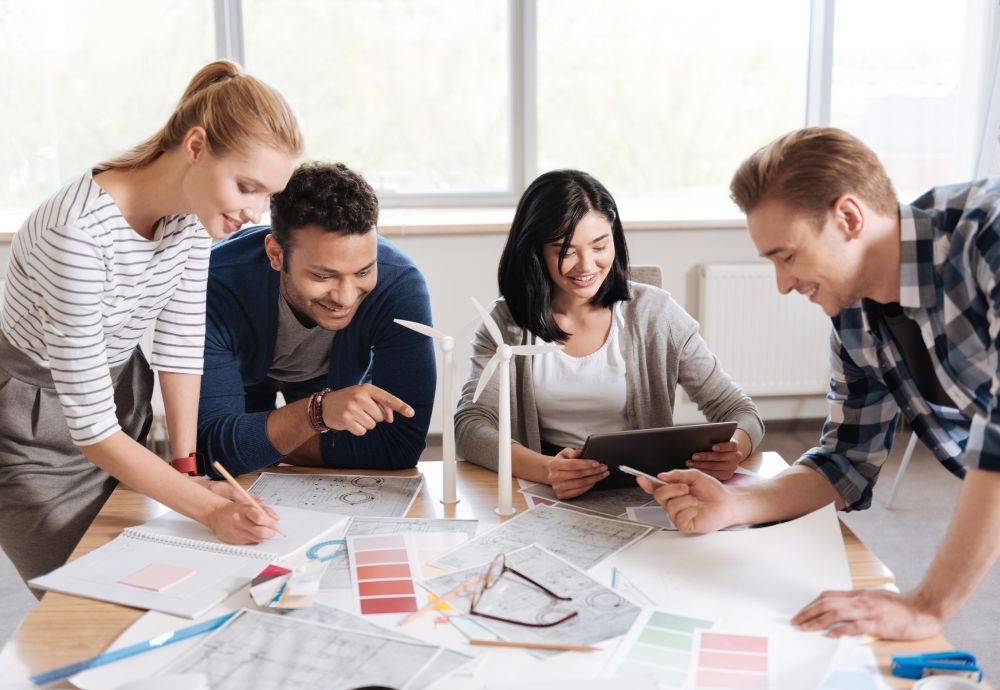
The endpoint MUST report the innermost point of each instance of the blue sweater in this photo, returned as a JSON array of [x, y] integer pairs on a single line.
[[241, 325]]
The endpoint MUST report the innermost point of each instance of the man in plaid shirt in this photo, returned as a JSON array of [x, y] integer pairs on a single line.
[[915, 302]]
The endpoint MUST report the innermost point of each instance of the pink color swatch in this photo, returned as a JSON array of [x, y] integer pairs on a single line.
[[382, 556], [375, 572], [734, 643], [730, 681], [732, 662], [736, 662]]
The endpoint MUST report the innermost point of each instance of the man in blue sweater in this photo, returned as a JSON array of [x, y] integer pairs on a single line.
[[305, 308]]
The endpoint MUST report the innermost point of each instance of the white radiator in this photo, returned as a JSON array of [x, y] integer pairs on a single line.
[[771, 344]]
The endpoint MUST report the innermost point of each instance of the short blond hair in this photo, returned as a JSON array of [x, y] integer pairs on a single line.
[[235, 110], [809, 169]]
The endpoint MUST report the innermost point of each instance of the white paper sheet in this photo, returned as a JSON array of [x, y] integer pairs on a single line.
[[752, 580], [855, 668]]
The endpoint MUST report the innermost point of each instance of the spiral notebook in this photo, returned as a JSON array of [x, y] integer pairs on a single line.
[[183, 544]]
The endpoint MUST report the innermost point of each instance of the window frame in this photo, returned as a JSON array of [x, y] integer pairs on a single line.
[[230, 39], [523, 108]]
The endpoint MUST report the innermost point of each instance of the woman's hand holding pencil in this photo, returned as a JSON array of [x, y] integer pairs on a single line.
[[244, 520]]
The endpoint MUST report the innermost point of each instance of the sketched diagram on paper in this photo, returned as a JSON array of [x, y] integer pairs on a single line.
[[580, 538], [446, 662], [358, 495], [259, 650], [613, 502], [601, 612]]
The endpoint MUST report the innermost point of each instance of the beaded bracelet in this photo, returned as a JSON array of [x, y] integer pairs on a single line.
[[314, 409]]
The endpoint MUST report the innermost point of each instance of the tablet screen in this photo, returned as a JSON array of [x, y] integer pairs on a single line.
[[652, 450]]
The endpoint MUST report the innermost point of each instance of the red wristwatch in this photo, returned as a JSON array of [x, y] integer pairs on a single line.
[[190, 465]]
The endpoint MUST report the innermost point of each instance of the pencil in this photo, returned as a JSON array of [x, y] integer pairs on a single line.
[[443, 599], [533, 645], [243, 492]]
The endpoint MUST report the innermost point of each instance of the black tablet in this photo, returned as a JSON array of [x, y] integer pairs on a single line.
[[652, 450]]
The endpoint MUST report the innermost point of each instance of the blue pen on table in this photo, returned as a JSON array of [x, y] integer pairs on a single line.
[[125, 652]]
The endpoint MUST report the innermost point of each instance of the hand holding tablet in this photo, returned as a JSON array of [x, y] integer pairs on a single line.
[[652, 450]]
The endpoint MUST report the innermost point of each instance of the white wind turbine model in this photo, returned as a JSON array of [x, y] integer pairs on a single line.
[[502, 358], [447, 344]]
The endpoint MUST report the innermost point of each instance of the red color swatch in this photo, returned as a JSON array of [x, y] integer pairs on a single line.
[[393, 605]]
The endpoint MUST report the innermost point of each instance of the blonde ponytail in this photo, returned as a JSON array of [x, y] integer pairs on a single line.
[[235, 110]]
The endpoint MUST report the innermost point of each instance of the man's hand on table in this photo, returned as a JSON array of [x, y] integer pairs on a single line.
[[885, 615]]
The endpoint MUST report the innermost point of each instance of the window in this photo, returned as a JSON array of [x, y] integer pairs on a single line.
[[901, 73], [411, 94], [86, 81], [662, 100], [464, 102]]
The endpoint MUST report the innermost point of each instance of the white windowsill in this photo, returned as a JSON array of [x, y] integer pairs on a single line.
[[395, 222]]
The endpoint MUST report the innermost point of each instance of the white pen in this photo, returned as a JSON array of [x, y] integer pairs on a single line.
[[637, 473]]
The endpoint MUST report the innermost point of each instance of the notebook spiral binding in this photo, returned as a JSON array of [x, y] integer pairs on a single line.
[[228, 549]]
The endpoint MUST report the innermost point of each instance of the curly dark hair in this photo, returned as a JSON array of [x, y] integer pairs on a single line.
[[328, 195]]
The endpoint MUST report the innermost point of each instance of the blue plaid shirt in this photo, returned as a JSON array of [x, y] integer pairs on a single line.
[[949, 264]]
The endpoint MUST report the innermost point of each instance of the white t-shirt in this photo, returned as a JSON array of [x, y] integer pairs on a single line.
[[579, 396]]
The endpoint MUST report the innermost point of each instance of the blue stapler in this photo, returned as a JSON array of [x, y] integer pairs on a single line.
[[957, 663]]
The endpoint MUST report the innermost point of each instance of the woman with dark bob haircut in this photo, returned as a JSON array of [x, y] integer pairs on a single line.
[[564, 277]]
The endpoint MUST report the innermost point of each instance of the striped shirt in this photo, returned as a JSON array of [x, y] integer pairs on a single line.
[[82, 288], [949, 286]]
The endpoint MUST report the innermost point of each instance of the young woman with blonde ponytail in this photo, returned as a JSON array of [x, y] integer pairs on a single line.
[[121, 248]]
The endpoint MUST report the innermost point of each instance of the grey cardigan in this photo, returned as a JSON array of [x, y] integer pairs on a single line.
[[662, 348]]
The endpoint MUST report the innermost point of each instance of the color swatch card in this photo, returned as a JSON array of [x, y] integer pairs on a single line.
[[660, 646], [338, 575], [383, 567], [727, 661]]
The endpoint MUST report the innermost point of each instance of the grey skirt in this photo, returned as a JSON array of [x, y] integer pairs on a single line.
[[49, 492]]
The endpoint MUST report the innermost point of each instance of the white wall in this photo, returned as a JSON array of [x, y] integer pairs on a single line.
[[459, 266]]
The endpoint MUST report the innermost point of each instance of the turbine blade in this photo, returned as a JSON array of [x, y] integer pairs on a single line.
[[488, 321], [534, 349], [421, 328], [488, 370]]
